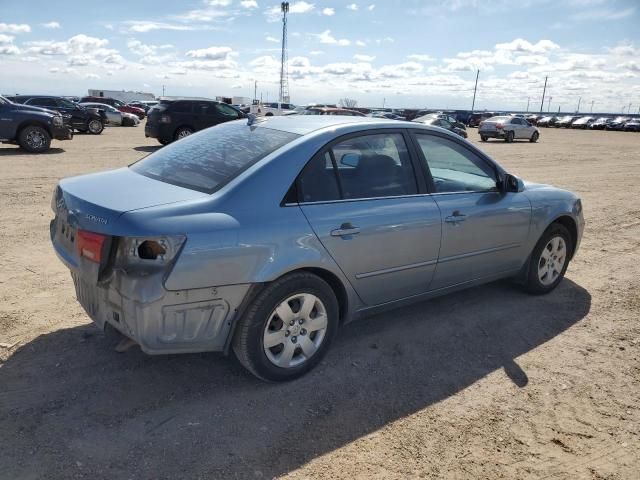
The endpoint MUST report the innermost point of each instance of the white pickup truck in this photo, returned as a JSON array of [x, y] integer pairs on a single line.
[[272, 109]]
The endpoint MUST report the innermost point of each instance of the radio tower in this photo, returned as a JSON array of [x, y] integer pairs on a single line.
[[284, 72]]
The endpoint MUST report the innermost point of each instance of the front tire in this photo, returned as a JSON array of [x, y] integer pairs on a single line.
[[534, 137], [509, 137], [34, 139], [483, 138], [549, 260], [288, 327]]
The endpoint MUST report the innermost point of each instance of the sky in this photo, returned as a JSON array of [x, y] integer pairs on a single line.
[[409, 53]]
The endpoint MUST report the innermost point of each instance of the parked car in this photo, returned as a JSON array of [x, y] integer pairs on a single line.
[[31, 127], [583, 122], [617, 123], [601, 123], [123, 107], [265, 236], [566, 121], [331, 111], [533, 119], [449, 118], [270, 109], [178, 118], [508, 129], [79, 117], [442, 123], [548, 121], [387, 115], [114, 116], [632, 125], [476, 118]]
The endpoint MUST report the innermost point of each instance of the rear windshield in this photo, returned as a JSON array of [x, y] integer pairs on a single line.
[[499, 119], [207, 160]]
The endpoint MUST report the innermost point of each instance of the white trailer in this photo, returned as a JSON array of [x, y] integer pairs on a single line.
[[125, 96]]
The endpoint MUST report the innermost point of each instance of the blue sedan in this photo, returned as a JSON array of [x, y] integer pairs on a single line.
[[265, 236]]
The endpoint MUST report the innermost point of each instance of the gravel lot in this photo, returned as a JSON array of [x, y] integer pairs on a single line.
[[486, 383]]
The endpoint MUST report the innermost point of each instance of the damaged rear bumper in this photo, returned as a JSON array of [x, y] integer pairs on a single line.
[[159, 320]]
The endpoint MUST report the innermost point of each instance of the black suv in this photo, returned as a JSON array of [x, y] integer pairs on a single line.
[[31, 127], [177, 118], [78, 117]]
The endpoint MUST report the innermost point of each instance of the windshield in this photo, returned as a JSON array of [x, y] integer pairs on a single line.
[[209, 159]]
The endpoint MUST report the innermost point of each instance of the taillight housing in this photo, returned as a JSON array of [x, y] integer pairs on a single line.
[[165, 119], [90, 245], [499, 126], [148, 251]]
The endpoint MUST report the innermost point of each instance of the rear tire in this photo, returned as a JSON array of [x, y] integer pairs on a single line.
[[34, 139], [548, 264], [509, 137], [182, 132], [306, 339], [95, 127], [483, 138], [164, 142], [534, 137]]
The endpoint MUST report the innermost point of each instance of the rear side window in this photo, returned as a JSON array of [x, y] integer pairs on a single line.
[[225, 110], [367, 166], [209, 159], [180, 107]]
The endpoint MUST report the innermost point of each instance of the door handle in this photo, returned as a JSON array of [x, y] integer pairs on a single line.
[[455, 217], [345, 229]]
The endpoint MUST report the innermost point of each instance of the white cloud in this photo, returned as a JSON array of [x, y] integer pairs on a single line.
[[631, 65], [269, 38], [364, 58], [249, 4], [326, 38], [219, 3], [143, 26], [360, 43], [328, 11], [14, 28], [92, 76], [301, 7], [418, 57], [599, 14], [371, 7], [51, 25], [211, 53], [353, 7], [316, 52], [6, 45], [140, 48], [625, 50], [520, 45]]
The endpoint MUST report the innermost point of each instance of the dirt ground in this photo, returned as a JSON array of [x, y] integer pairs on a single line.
[[486, 383]]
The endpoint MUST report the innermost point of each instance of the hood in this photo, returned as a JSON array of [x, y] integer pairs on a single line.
[[535, 186], [30, 108], [97, 200]]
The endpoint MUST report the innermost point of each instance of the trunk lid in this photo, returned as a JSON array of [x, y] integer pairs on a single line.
[[95, 202]]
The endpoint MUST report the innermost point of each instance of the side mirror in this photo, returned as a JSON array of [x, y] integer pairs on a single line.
[[510, 183]]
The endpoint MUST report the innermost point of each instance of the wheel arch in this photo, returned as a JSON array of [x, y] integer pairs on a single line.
[[32, 123], [182, 125], [569, 223]]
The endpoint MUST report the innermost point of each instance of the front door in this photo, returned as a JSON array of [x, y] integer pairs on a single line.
[[362, 200], [484, 231]]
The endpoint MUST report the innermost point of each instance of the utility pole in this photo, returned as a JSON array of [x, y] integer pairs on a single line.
[[384, 100], [578, 109], [163, 90], [548, 105], [544, 90], [475, 89], [592, 102], [528, 99], [629, 109], [255, 89], [284, 73]]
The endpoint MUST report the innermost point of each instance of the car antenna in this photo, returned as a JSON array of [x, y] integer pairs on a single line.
[[252, 119]]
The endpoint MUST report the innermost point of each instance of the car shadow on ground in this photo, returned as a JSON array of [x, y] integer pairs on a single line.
[[69, 403], [7, 152], [147, 148]]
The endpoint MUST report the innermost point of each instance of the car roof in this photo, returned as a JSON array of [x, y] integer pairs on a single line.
[[304, 124]]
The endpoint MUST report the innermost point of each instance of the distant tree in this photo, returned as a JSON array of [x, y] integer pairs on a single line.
[[348, 103]]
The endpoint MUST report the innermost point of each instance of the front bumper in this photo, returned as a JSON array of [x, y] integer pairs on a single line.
[[62, 133], [162, 321]]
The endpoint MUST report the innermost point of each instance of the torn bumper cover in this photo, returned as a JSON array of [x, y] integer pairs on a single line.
[[159, 320]]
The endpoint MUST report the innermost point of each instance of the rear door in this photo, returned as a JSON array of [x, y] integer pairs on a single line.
[[371, 212], [484, 231]]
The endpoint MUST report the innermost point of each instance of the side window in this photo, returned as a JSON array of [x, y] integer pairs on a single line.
[[453, 167], [225, 110], [43, 102], [515, 121], [181, 107], [318, 181], [368, 166]]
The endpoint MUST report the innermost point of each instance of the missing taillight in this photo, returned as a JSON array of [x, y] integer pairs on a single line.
[[150, 250], [90, 245]]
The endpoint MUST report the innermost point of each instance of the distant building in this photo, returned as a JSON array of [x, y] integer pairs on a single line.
[[123, 95]]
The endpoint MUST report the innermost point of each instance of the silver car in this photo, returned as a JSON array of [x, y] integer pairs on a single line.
[[114, 116], [508, 128], [265, 236]]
